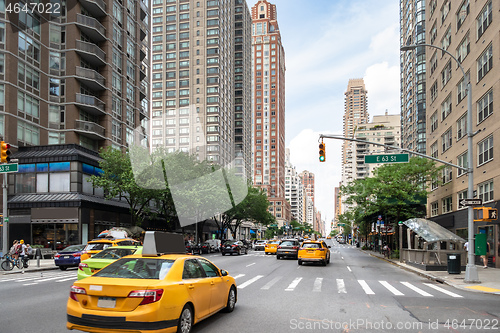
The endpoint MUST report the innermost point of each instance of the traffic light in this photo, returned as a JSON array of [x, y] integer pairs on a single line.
[[5, 152], [486, 214], [322, 152]]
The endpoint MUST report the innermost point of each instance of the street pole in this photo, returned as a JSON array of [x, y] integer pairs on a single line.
[[471, 275], [5, 248]]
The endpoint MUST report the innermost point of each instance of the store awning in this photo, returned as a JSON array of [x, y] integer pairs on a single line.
[[430, 231]]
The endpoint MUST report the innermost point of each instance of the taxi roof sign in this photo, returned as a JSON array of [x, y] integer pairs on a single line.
[[157, 242]]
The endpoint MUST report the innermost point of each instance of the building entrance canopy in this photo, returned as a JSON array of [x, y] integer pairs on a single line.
[[430, 231]]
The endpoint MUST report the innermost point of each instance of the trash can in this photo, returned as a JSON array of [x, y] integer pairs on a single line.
[[453, 263]]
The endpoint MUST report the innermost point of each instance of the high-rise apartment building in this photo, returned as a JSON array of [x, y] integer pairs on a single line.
[[413, 76], [467, 29], [200, 79], [268, 64], [355, 115], [383, 129], [71, 82], [294, 190]]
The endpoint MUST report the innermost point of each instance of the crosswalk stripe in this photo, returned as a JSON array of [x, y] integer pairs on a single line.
[[249, 282], [341, 286], [271, 283], [444, 291], [416, 289], [24, 278], [294, 284], [391, 288], [365, 287], [48, 279], [317, 284], [238, 276], [67, 279]]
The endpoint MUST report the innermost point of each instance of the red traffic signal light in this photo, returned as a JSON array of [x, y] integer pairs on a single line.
[[322, 152], [5, 152]]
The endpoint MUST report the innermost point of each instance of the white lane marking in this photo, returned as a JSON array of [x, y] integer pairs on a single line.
[[349, 269], [250, 264], [365, 287], [391, 288], [294, 284], [271, 283], [418, 290], [317, 284], [249, 282], [23, 279], [341, 286], [43, 280], [239, 275], [444, 291], [67, 279]]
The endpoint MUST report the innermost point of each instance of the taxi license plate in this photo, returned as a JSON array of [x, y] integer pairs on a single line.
[[106, 302]]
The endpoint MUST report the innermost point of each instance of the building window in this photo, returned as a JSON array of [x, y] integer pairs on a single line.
[[434, 122], [462, 13], [462, 161], [463, 49], [434, 208], [28, 133], [462, 88], [434, 150], [485, 62], [485, 190], [483, 21], [445, 10], [434, 91], [446, 41], [485, 150], [462, 127], [446, 105], [446, 140], [447, 204], [485, 106], [461, 196], [447, 174]]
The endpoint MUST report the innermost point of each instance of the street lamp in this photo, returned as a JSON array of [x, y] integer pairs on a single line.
[[471, 275]]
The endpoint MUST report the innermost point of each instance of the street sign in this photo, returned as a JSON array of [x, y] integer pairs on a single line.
[[471, 202], [387, 158], [6, 220], [6, 168]]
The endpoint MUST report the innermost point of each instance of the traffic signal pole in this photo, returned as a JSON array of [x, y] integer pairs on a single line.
[[5, 247]]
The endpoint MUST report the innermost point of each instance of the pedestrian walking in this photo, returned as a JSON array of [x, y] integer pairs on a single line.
[[13, 249], [485, 257]]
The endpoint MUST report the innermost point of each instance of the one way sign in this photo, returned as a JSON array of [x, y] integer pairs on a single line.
[[471, 202]]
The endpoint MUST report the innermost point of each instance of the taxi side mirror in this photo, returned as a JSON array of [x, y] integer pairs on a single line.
[[329, 246], [224, 272]]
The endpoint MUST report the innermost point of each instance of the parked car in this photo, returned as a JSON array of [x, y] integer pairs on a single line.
[[69, 256], [288, 248], [204, 248], [314, 251], [234, 247], [191, 247], [259, 245], [150, 292], [104, 258]]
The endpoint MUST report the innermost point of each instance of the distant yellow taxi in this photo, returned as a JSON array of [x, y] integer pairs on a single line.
[[271, 247], [314, 251], [329, 237], [97, 245], [152, 292]]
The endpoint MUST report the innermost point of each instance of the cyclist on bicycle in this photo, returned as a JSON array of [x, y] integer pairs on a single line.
[[24, 255], [387, 251], [14, 250]]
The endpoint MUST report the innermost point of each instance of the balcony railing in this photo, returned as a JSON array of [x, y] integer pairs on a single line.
[[91, 127], [91, 102], [92, 23], [91, 49], [95, 7], [91, 74]]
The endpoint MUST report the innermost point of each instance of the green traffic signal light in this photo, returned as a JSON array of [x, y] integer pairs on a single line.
[[322, 152]]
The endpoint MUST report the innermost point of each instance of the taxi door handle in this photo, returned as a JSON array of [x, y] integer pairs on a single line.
[[212, 283], [191, 286]]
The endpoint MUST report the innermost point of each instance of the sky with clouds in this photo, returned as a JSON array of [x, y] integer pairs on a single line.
[[328, 42]]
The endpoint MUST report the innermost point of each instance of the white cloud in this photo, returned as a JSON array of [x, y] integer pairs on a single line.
[[382, 83]]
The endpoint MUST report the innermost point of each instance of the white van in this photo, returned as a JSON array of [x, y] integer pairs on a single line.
[[214, 245]]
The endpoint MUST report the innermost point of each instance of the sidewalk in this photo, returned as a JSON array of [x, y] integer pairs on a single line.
[[489, 278], [45, 264]]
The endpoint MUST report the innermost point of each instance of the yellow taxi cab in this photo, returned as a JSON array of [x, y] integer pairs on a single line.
[[162, 290], [314, 251], [271, 247], [99, 244], [329, 237]]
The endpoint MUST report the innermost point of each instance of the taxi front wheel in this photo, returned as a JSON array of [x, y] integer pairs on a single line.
[[185, 320], [231, 300]]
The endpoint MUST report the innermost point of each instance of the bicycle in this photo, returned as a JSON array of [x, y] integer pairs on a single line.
[[8, 263], [387, 253]]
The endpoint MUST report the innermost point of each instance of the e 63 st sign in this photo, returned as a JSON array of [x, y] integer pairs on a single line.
[[387, 158], [6, 168]]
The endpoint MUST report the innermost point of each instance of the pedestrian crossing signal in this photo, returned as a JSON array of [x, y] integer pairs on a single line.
[[492, 213], [485, 214], [322, 152]]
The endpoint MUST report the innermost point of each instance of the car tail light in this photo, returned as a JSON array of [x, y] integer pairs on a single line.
[[56, 256], [76, 290], [279, 247], [295, 247], [76, 255], [149, 296], [82, 265], [234, 245]]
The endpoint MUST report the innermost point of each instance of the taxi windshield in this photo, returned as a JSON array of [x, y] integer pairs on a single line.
[[137, 268], [113, 253], [97, 246]]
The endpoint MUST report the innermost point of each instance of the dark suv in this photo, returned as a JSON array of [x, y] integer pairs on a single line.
[[234, 247], [288, 248]]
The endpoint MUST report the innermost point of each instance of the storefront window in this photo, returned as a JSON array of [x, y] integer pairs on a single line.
[[55, 236]]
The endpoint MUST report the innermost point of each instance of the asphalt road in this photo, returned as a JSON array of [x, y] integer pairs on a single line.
[[354, 293]]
